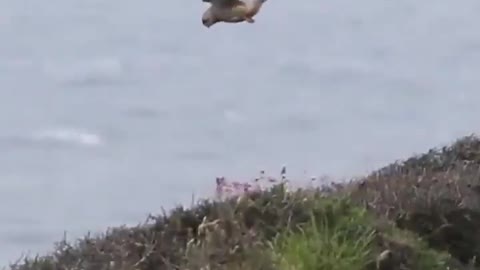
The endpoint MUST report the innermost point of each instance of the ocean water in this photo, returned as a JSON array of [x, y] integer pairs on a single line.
[[110, 110]]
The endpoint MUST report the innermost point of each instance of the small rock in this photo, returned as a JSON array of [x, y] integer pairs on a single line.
[[385, 260]]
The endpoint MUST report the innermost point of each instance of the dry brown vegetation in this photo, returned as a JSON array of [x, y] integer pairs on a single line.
[[424, 212]]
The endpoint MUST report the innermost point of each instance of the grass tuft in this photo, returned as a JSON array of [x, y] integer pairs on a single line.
[[337, 239]]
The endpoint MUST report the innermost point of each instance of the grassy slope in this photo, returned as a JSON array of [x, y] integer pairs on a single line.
[[422, 214]]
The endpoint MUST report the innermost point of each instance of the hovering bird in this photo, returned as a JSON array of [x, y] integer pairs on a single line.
[[231, 11]]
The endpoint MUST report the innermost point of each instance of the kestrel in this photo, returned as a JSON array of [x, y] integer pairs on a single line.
[[231, 11]]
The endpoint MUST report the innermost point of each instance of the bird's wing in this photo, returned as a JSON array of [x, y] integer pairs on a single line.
[[253, 6], [222, 3]]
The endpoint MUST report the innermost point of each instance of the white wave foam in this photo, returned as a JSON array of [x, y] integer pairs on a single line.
[[69, 135]]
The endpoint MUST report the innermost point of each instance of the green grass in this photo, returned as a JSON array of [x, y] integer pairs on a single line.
[[335, 240], [344, 237]]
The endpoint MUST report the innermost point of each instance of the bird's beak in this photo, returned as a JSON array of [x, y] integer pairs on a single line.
[[204, 22]]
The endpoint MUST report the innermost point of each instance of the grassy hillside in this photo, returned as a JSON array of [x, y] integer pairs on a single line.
[[419, 214]]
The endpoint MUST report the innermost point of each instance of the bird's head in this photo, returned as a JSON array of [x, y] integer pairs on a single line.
[[208, 19]]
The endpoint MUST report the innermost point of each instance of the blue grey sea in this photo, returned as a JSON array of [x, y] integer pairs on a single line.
[[110, 110]]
